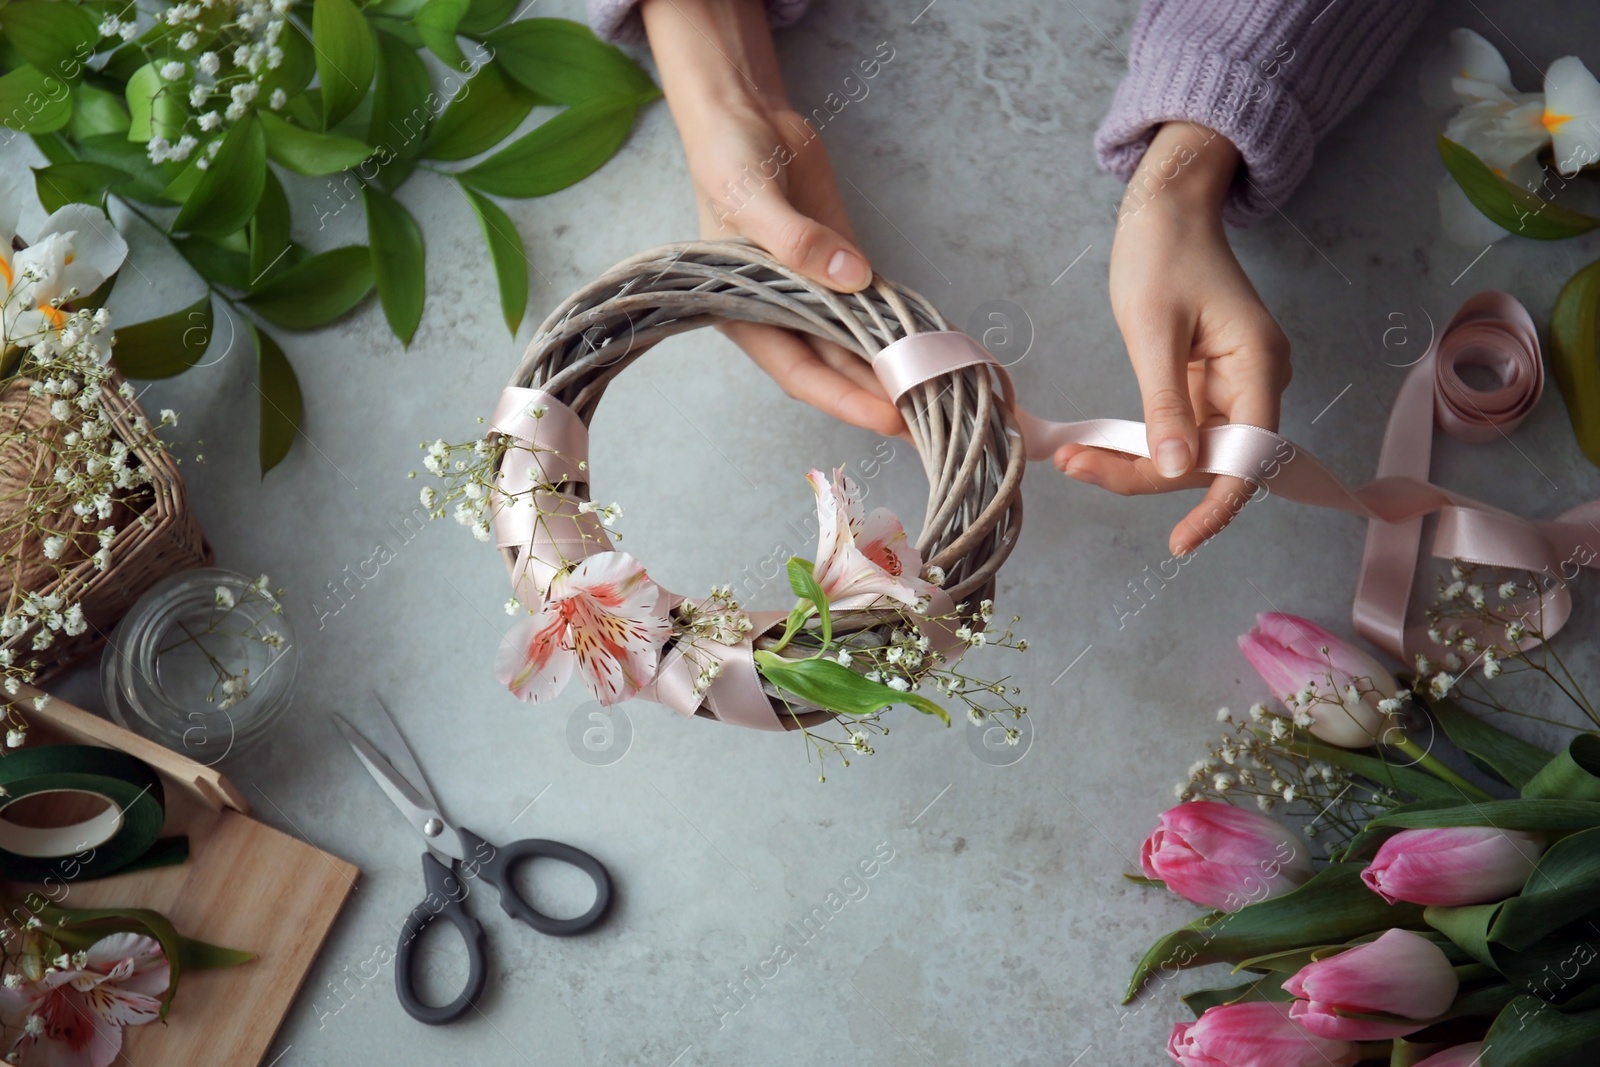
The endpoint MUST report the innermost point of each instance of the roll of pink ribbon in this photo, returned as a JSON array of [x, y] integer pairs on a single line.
[[1492, 331]]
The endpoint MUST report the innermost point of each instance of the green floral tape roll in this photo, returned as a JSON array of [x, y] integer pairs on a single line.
[[95, 847]]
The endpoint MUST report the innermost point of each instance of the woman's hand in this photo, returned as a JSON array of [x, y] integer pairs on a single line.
[[1204, 348], [761, 172]]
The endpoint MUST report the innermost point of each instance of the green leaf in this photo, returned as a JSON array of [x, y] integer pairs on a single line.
[[1268, 987], [1335, 906], [488, 108], [484, 15], [564, 62], [506, 254], [804, 584], [1405, 778], [397, 261], [1572, 774], [436, 23], [95, 112], [155, 107], [75, 183], [829, 684], [34, 103], [310, 152], [1508, 204], [1564, 886], [294, 73], [1512, 759], [1467, 928], [114, 150], [228, 191], [78, 928], [163, 347], [315, 292], [1531, 1033], [402, 107], [281, 405], [269, 233], [558, 153], [1505, 814], [346, 56], [1573, 356], [52, 36], [213, 262], [204, 956]]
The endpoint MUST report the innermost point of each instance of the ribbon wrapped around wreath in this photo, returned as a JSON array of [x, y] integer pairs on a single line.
[[1491, 330], [541, 513]]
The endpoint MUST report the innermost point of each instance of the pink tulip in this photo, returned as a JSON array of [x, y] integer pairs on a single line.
[[1468, 1055], [1453, 866], [1254, 1034], [1222, 856], [1294, 655], [862, 557], [1401, 976]]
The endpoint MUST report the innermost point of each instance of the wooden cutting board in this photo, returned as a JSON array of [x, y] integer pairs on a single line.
[[246, 886]]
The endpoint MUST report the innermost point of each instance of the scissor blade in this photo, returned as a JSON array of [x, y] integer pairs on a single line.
[[418, 812], [401, 758]]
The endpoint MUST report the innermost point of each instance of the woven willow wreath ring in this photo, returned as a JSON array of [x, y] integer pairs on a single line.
[[960, 423]]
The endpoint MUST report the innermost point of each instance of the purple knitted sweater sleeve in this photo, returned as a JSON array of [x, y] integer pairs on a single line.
[[616, 20], [1270, 75]]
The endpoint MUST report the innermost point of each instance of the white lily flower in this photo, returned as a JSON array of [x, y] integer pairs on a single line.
[[76, 249], [1572, 114]]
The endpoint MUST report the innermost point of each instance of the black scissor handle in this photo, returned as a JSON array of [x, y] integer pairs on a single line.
[[497, 865], [446, 892]]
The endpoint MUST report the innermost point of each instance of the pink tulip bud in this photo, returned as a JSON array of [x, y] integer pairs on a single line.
[[1254, 1034], [1402, 977], [1453, 866], [1295, 656], [1222, 856], [1468, 1055]]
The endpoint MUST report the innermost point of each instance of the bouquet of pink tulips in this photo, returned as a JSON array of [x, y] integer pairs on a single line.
[[1454, 921]]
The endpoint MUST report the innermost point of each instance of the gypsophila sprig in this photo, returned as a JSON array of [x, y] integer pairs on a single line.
[[231, 618]]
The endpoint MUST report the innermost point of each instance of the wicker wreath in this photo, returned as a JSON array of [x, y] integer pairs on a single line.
[[959, 422]]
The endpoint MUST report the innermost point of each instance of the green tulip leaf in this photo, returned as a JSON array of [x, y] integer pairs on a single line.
[[33, 102], [564, 62], [1532, 1033], [76, 183], [227, 192], [1505, 814], [557, 153], [829, 684], [1335, 906], [269, 233], [1511, 759], [1268, 987], [1507, 204], [317, 291], [485, 112], [403, 106], [436, 23], [281, 404], [54, 37], [345, 57], [310, 152], [1572, 774], [1402, 777], [397, 261], [506, 254], [1574, 359], [163, 347], [1564, 886], [1467, 928]]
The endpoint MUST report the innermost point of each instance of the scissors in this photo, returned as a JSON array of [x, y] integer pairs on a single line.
[[450, 850]]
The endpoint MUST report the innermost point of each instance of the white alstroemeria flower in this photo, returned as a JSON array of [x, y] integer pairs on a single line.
[[73, 253], [1572, 114]]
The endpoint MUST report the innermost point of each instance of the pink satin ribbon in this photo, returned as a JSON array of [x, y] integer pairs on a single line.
[[536, 511], [1492, 331]]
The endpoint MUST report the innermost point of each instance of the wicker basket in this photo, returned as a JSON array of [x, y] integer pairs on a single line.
[[140, 556]]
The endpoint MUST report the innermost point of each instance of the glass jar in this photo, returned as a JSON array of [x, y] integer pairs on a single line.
[[204, 663]]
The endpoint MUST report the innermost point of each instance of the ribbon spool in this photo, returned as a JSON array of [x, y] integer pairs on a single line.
[[92, 847], [959, 423]]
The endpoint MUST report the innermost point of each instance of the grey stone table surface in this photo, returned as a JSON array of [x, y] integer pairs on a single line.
[[1001, 930]]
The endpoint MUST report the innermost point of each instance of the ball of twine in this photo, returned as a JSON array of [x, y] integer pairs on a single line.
[[962, 429]]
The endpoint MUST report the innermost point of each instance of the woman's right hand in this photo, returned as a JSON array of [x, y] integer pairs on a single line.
[[761, 172]]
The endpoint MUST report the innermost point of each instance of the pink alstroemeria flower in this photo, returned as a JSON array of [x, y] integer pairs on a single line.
[[78, 1013], [860, 555], [602, 617], [1402, 978]]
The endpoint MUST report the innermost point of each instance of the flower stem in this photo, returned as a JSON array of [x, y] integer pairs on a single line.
[[1430, 763]]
